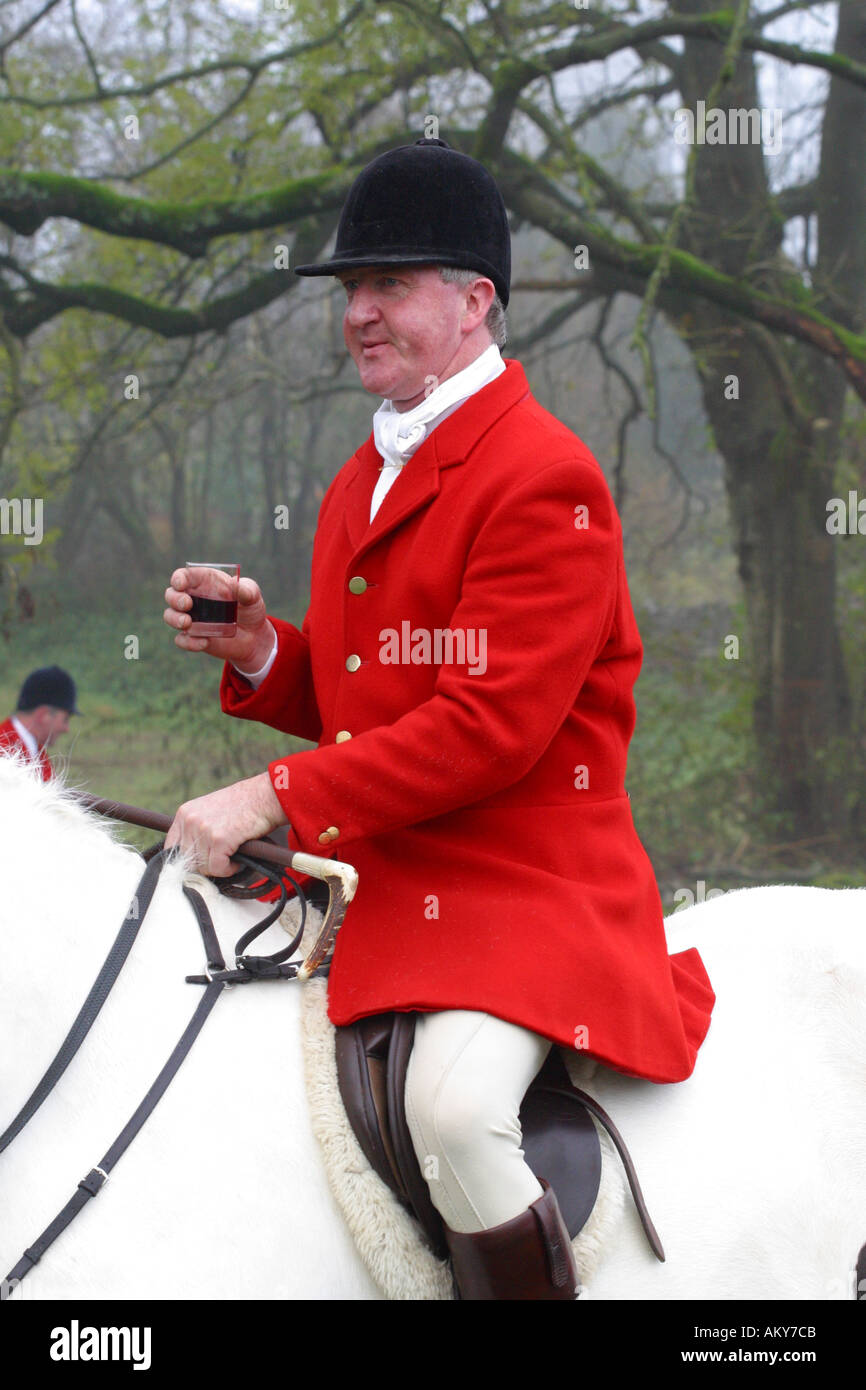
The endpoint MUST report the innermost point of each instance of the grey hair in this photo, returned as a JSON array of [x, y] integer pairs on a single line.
[[495, 323]]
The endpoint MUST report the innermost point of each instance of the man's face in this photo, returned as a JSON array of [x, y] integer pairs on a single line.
[[402, 326], [52, 723]]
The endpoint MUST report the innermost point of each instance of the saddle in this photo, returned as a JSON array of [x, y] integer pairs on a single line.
[[560, 1140]]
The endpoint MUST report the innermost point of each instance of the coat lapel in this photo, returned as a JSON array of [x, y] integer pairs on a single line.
[[450, 444]]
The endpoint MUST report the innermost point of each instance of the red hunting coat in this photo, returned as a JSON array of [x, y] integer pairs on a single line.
[[480, 792], [11, 739]]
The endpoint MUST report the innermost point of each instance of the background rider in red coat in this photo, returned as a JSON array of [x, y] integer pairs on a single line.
[[45, 703], [466, 669]]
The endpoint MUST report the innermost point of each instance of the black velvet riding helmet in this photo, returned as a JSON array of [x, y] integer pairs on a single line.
[[50, 685], [423, 204]]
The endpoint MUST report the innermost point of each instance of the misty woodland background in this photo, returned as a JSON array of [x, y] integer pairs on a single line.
[[166, 381]]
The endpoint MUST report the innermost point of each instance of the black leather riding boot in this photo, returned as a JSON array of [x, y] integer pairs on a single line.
[[529, 1257]]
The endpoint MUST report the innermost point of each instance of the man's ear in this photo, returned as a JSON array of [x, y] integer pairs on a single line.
[[479, 297]]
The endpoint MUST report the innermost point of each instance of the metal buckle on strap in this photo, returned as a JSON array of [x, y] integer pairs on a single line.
[[95, 1181]]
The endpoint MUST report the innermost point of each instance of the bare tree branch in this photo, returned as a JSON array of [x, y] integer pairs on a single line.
[[251, 66], [631, 265], [729, 60], [618, 198], [191, 139], [91, 61], [635, 405], [26, 27]]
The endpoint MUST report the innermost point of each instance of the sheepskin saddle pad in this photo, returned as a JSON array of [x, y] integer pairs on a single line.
[[389, 1240]]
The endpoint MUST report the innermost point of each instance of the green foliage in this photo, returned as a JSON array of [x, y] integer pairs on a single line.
[[151, 732], [692, 758], [840, 878]]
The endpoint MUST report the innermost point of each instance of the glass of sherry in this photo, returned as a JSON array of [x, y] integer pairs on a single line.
[[214, 594]]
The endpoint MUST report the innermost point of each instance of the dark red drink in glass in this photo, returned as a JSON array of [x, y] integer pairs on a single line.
[[214, 593]]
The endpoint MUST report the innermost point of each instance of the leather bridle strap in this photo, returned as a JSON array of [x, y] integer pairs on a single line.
[[216, 980], [92, 1185], [99, 992]]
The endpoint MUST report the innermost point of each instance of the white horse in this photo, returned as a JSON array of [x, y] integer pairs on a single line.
[[754, 1170]]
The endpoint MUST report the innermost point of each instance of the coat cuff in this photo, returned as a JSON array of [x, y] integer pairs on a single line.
[[286, 699], [255, 678], [298, 787]]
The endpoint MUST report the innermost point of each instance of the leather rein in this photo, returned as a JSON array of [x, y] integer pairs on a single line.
[[216, 978]]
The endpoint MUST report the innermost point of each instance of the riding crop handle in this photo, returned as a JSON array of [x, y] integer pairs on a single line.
[[341, 879]]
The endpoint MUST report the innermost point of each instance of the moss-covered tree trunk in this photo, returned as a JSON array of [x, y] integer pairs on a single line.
[[775, 411]]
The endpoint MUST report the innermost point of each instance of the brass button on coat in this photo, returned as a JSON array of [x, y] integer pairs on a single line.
[[342, 736], [353, 662], [328, 835], [357, 584]]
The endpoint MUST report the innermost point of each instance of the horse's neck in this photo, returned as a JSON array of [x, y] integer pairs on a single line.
[[68, 887]]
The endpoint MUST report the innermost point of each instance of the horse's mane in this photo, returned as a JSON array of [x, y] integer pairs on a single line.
[[53, 807], [21, 779]]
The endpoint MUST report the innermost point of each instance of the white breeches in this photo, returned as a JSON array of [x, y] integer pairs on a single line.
[[467, 1076]]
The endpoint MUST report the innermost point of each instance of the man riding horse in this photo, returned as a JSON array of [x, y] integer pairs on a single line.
[[466, 669]]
